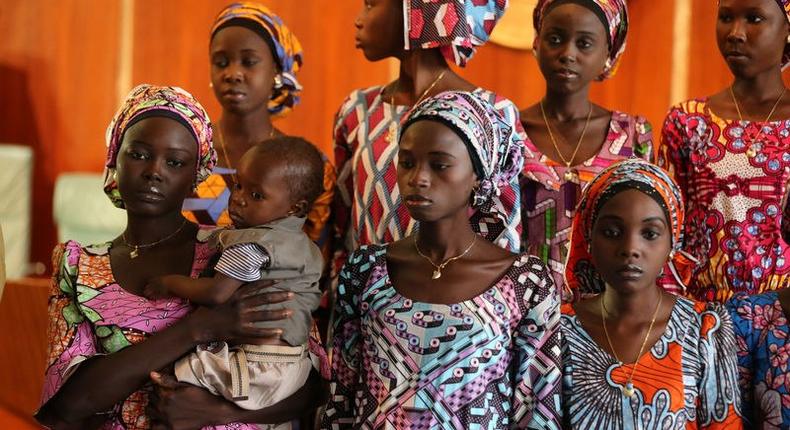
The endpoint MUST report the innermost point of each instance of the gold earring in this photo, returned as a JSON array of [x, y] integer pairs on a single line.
[[211, 84]]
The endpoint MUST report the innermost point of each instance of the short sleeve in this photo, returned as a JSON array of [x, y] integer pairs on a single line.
[[347, 342], [537, 361], [243, 262], [71, 339], [719, 402]]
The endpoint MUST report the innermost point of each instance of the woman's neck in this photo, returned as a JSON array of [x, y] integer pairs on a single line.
[[765, 87], [446, 238], [145, 230], [419, 69], [639, 305], [567, 106], [245, 129]]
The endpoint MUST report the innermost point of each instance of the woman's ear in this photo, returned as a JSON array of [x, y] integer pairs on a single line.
[[299, 208]]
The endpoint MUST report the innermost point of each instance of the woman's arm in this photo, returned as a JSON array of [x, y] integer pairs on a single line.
[[82, 395]]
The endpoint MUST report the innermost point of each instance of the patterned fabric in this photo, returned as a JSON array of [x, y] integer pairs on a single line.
[[687, 380], [91, 315], [243, 262], [580, 274], [761, 332], [146, 99], [496, 149], [488, 362], [457, 27], [549, 202], [616, 13], [733, 212], [367, 205], [288, 50], [209, 205]]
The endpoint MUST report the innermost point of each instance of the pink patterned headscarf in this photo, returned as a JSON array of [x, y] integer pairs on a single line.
[[169, 101], [785, 6], [458, 27], [616, 14]]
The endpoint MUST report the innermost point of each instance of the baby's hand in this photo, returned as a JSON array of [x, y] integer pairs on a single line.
[[156, 288]]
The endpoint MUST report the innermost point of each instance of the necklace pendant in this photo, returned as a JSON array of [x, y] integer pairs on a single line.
[[569, 175], [436, 274], [751, 152], [628, 390], [134, 253], [392, 134]]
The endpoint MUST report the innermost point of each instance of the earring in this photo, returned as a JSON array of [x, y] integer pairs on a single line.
[[788, 38], [278, 81], [211, 84]]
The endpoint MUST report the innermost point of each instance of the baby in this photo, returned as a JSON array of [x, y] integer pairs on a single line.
[[276, 183]]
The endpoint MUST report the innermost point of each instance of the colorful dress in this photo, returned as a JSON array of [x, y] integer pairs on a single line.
[[761, 332], [733, 197], [488, 362], [687, 380], [91, 315], [548, 202], [367, 205], [209, 205]]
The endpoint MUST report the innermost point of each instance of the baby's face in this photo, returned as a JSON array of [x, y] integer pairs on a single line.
[[262, 194]]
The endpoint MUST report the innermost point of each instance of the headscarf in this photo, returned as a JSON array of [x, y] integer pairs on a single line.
[[494, 146], [614, 13], [785, 6], [145, 101], [457, 27], [581, 277], [286, 49]]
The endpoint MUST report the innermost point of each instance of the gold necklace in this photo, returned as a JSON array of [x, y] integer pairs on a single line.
[[628, 390], [437, 273], [393, 128], [225, 153], [570, 174], [135, 249], [751, 152]]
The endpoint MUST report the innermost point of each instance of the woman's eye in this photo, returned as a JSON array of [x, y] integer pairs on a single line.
[[651, 235], [221, 63], [440, 166], [554, 40], [256, 196], [175, 163], [406, 164], [584, 44], [237, 187], [138, 155], [249, 62], [754, 19], [611, 232]]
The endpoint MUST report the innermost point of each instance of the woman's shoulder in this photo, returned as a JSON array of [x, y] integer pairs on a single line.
[[691, 107]]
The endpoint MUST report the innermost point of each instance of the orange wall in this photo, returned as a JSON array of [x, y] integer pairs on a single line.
[[60, 62]]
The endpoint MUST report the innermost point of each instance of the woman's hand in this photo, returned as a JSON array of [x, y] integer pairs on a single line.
[[178, 406], [235, 319]]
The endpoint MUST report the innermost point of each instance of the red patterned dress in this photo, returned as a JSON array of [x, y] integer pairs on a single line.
[[733, 198]]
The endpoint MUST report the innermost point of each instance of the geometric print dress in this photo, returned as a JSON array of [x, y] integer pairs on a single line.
[[490, 362], [733, 198], [687, 380]]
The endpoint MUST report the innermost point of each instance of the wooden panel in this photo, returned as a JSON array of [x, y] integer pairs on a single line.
[[23, 310], [57, 70], [176, 33]]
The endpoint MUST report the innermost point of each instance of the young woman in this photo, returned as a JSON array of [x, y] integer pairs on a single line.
[[254, 60], [105, 337], [368, 207], [731, 157], [635, 356], [443, 329], [570, 139]]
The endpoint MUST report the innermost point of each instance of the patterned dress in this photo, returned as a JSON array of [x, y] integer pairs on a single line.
[[549, 202], [762, 331], [91, 315], [367, 205], [733, 198], [687, 380], [488, 362]]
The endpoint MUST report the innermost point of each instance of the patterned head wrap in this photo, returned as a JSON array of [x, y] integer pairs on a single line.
[[613, 14], [494, 146], [145, 101], [286, 49], [580, 274], [785, 6], [458, 27]]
